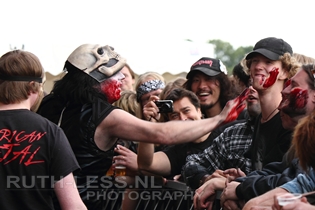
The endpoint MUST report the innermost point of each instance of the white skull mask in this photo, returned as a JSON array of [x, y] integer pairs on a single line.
[[100, 62]]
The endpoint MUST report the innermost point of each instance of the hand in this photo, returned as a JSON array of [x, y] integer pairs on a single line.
[[234, 107], [206, 194], [297, 204], [150, 110], [229, 192], [126, 158], [231, 204], [233, 173], [177, 177], [217, 174]]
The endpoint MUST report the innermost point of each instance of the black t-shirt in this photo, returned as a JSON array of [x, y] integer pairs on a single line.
[[177, 154], [34, 153], [270, 142]]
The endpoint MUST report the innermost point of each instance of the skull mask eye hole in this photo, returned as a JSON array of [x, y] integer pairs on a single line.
[[111, 62], [100, 51]]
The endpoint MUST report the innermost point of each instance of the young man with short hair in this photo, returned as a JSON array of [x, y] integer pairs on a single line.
[[36, 160]]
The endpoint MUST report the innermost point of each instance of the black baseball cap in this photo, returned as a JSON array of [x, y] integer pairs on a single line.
[[271, 48], [208, 66]]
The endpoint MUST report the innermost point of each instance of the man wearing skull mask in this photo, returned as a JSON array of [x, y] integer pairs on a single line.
[[81, 104]]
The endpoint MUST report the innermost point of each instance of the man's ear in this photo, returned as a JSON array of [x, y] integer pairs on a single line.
[[283, 75], [34, 87]]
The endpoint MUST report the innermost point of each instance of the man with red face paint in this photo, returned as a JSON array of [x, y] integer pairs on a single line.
[[270, 64], [293, 107], [81, 104], [298, 100]]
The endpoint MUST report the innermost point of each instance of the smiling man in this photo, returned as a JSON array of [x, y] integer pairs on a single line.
[[208, 79], [270, 65], [293, 108]]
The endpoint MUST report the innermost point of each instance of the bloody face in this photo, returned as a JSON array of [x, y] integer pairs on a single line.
[[264, 71], [295, 95], [295, 102], [272, 78], [112, 87]]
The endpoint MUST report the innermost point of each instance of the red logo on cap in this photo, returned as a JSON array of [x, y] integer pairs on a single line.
[[209, 62]]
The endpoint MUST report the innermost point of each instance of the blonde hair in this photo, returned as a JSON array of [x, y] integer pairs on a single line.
[[19, 63], [128, 102], [150, 75], [289, 63], [303, 59]]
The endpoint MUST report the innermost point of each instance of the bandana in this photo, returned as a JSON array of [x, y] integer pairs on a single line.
[[21, 78], [148, 87]]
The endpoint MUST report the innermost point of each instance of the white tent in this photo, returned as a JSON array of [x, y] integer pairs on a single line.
[[173, 57]]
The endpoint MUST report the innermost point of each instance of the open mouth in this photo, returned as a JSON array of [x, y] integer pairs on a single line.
[[251, 98], [203, 94], [267, 81]]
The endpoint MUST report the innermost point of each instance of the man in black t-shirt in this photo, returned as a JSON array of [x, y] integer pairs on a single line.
[[36, 159], [270, 65]]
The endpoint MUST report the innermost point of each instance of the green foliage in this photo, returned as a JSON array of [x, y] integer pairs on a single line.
[[227, 54]]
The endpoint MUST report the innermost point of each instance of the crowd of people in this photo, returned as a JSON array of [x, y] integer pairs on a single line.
[[246, 137]]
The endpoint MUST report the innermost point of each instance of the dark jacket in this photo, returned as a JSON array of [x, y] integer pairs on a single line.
[[273, 175]]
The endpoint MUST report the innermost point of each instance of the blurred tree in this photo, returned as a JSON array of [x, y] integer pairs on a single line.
[[226, 53]]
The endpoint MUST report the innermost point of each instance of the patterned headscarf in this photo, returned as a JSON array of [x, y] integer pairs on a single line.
[[149, 86]]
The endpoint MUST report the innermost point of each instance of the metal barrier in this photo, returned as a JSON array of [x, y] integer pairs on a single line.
[[150, 193], [153, 193]]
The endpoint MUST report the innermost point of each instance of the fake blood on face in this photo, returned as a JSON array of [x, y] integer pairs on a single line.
[[298, 98], [272, 78], [111, 88], [287, 83], [294, 103]]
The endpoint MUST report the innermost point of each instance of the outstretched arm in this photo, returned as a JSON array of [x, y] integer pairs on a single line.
[[173, 132]]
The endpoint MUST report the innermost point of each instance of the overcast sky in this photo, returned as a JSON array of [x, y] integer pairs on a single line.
[[151, 34]]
